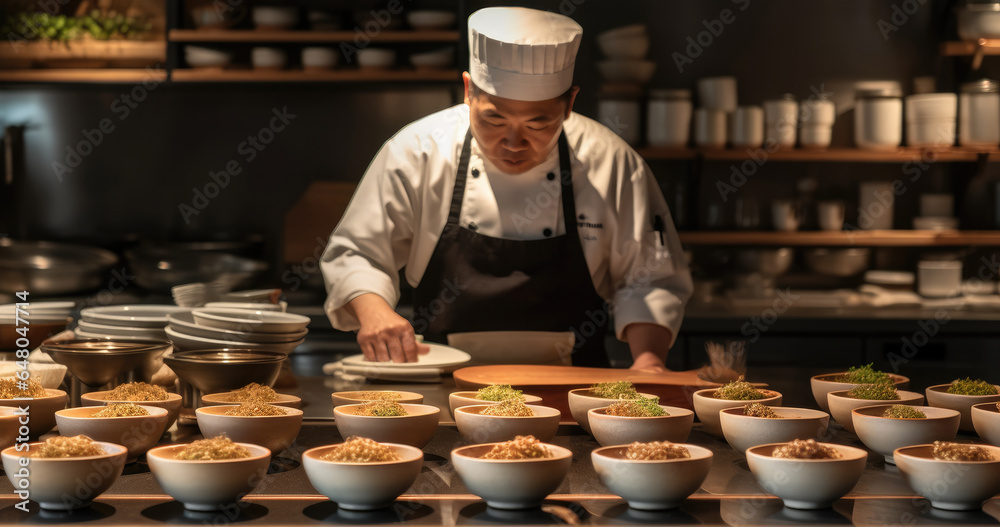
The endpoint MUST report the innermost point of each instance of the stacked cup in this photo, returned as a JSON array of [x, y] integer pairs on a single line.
[[717, 96], [625, 72], [780, 118], [931, 118], [816, 123]]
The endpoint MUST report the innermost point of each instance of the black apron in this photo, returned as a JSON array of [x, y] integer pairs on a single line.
[[475, 282]]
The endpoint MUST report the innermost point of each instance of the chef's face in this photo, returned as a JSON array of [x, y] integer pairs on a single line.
[[516, 136]]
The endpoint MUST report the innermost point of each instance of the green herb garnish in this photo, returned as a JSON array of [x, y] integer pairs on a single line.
[[874, 392], [739, 390], [614, 390], [865, 375], [968, 386], [498, 392], [902, 411], [760, 410], [641, 407]]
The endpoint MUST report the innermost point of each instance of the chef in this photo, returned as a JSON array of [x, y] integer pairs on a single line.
[[510, 213]]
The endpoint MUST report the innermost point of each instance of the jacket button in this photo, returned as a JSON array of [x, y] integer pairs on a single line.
[[473, 227], [547, 232], [475, 172], [550, 176]]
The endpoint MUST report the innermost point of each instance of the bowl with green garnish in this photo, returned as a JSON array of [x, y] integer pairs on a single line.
[[600, 395], [643, 420], [388, 422], [986, 420], [886, 427], [491, 394], [843, 402], [845, 380], [961, 395], [505, 420], [709, 402], [757, 424]]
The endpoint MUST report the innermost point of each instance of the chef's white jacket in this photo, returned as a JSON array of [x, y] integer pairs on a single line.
[[401, 205]]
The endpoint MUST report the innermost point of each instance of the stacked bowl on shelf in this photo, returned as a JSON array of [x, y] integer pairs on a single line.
[[260, 328], [126, 322], [625, 71]]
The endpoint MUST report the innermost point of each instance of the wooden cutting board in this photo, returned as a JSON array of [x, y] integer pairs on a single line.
[[552, 383]]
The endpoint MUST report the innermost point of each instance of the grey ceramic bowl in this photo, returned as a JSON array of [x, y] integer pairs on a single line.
[[42, 410], [273, 432], [807, 483], [54, 482], [172, 403], [581, 401], [950, 485], [136, 433], [358, 397], [511, 484], [477, 427], [824, 384], [468, 398], [885, 434], [708, 407], [841, 405], [620, 430], [648, 484], [938, 396], [743, 431], [414, 429], [986, 419], [363, 486], [208, 485]]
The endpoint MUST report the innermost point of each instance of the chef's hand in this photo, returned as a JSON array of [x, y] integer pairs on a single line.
[[384, 335], [649, 344]]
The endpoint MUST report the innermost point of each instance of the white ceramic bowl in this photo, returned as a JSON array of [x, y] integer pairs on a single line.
[[430, 19], [807, 483], [133, 316], [949, 485], [136, 433], [49, 375], [477, 427], [275, 17], [986, 421], [938, 396], [511, 483], [284, 399], [42, 411], [884, 434], [624, 46], [265, 58], [249, 306], [823, 384], [183, 323], [201, 57], [273, 432], [376, 58], [172, 404], [121, 331], [358, 397], [620, 430], [437, 59], [319, 58], [468, 398], [414, 429], [250, 321], [744, 431], [185, 342], [208, 485], [841, 405], [54, 483], [363, 486], [580, 402], [627, 70], [649, 484], [707, 407]]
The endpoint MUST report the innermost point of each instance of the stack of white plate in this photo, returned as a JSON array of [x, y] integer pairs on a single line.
[[129, 322], [216, 327], [39, 310]]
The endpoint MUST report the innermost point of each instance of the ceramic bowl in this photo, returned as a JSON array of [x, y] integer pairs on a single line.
[[273, 432], [260, 321], [581, 401], [376, 58], [744, 431], [42, 410], [823, 384], [707, 407], [938, 396], [511, 484], [649, 484], [884, 434], [8, 426], [267, 58], [55, 483], [136, 433], [47, 374], [633, 71], [430, 19], [319, 58], [620, 430], [414, 429], [468, 398], [358, 397], [986, 419], [363, 486], [950, 485], [437, 59], [634, 46], [841, 405], [172, 404], [275, 17], [476, 427], [202, 57], [208, 485], [807, 483], [284, 399]]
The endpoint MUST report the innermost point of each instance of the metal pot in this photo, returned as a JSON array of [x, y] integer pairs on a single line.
[[766, 261], [837, 262], [160, 269], [46, 268]]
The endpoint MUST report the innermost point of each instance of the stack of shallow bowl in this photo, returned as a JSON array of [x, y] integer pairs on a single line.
[[128, 322], [250, 329]]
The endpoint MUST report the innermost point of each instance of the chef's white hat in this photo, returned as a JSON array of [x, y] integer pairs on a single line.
[[522, 54]]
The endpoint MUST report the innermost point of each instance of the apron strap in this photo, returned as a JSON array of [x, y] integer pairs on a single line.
[[459, 192], [566, 178]]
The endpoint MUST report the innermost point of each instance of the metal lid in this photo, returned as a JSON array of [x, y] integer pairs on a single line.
[[981, 86], [879, 93], [672, 95]]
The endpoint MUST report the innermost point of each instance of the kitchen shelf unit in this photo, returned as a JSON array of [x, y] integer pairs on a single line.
[[965, 48], [342, 75], [305, 36], [845, 155], [854, 238], [85, 75]]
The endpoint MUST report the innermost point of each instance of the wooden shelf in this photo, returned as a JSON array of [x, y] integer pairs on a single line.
[[844, 155], [95, 75], [258, 36], [369, 75], [884, 238], [961, 48]]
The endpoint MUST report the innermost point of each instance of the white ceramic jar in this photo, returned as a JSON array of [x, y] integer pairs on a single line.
[[621, 113], [709, 128], [717, 93], [878, 119], [816, 118], [979, 114], [780, 119], [746, 128], [930, 119], [937, 279], [668, 118]]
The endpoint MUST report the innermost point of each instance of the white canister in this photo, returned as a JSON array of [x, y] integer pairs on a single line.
[[780, 119], [746, 127], [877, 203], [816, 118], [979, 114], [717, 93], [623, 116], [830, 215], [939, 279], [709, 128], [668, 118], [878, 120]]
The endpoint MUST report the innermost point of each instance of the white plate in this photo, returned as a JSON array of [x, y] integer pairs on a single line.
[[251, 306], [135, 316], [41, 308], [149, 333], [444, 358], [184, 342], [184, 324], [256, 321], [516, 347], [97, 335]]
